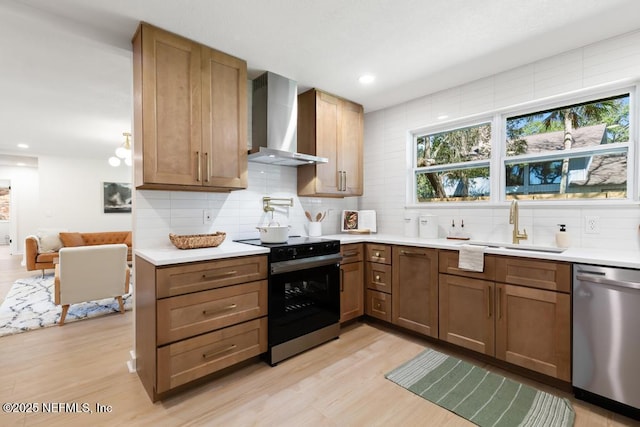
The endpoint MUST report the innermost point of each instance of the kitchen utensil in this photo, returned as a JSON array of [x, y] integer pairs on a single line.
[[308, 215], [273, 233], [323, 215], [319, 217]]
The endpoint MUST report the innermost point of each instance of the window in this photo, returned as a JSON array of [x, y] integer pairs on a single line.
[[453, 164], [574, 151], [580, 150]]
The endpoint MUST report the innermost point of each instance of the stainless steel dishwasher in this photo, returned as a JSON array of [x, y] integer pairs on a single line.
[[606, 337]]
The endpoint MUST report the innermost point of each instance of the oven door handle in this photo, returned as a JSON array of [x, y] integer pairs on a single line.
[[304, 263]]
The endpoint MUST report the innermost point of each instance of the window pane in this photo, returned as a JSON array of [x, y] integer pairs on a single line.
[[603, 121], [597, 176], [460, 184], [4, 204], [455, 146]]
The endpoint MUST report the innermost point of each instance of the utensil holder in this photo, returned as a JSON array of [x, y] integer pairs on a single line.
[[315, 229]]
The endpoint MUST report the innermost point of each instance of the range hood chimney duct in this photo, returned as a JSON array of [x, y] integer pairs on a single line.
[[274, 122]]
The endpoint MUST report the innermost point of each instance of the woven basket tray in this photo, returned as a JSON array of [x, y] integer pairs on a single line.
[[195, 241]]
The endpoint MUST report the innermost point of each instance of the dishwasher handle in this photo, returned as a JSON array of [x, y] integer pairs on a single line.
[[605, 281]]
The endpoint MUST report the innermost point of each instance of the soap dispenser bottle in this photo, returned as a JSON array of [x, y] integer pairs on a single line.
[[562, 237]]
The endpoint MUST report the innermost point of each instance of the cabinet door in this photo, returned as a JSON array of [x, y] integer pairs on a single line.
[[467, 312], [327, 177], [351, 291], [170, 67], [533, 329], [350, 154], [224, 120], [415, 289]]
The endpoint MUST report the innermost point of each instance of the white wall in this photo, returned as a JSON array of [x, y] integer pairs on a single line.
[[71, 195], [25, 203], [385, 149], [158, 213]]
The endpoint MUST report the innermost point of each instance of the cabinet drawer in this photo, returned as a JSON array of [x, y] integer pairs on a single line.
[[448, 263], [534, 273], [201, 276], [192, 314], [378, 277], [379, 253], [187, 360], [352, 253], [379, 305]]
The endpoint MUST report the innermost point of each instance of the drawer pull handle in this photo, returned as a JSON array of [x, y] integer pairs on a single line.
[[219, 276], [378, 306], [351, 253], [377, 277], [206, 164], [199, 162], [377, 254], [218, 311], [341, 280], [217, 352], [408, 253]]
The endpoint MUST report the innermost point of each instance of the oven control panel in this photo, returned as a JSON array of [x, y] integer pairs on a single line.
[[307, 250]]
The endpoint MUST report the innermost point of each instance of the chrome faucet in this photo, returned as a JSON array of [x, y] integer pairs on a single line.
[[513, 219]]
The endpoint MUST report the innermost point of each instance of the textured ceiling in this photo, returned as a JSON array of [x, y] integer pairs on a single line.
[[66, 64]]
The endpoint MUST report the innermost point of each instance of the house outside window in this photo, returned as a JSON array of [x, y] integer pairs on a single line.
[[570, 152], [453, 164]]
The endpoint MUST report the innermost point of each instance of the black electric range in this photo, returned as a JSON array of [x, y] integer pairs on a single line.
[[304, 294]]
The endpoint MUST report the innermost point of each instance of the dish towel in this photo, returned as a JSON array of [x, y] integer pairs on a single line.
[[471, 258]]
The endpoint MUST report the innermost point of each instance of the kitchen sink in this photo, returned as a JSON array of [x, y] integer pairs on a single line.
[[514, 246]]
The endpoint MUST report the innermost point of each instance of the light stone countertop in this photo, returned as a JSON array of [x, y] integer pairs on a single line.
[[229, 249], [608, 257], [171, 255]]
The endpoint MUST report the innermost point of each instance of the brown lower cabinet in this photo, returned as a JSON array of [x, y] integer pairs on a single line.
[[533, 329], [378, 279], [351, 282], [522, 325], [415, 289], [194, 319]]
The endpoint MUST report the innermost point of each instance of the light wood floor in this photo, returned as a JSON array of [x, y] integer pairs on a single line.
[[340, 383]]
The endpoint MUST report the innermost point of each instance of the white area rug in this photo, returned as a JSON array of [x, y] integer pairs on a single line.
[[29, 305]]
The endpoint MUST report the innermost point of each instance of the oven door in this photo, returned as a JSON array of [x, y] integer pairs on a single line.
[[303, 300]]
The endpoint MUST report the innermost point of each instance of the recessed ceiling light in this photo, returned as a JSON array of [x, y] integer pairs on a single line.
[[442, 117], [366, 79], [21, 164], [23, 145]]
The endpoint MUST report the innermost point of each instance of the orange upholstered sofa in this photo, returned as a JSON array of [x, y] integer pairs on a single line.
[[41, 250]]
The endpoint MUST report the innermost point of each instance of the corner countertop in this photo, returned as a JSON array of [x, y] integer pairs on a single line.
[[615, 258], [171, 255], [607, 257]]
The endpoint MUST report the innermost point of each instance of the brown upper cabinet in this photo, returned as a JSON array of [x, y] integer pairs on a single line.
[[190, 114], [331, 127]]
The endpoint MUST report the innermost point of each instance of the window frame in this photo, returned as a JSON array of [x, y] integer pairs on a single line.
[[498, 160], [449, 126]]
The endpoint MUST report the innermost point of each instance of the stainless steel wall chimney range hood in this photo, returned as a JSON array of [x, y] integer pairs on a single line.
[[274, 122]]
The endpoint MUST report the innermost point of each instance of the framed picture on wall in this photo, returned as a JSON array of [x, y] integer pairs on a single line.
[[116, 197]]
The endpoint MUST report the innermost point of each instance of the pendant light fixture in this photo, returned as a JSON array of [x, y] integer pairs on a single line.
[[123, 152]]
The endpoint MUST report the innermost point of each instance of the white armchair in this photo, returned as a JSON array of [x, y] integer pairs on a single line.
[[88, 273]]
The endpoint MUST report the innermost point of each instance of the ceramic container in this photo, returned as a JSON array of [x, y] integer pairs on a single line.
[[273, 233]]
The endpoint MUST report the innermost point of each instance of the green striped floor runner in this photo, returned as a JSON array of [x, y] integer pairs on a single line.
[[482, 397]]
